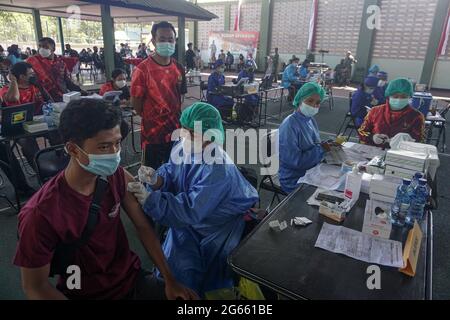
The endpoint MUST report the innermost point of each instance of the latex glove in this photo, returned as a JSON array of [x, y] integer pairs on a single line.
[[147, 175], [380, 138], [139, 191]]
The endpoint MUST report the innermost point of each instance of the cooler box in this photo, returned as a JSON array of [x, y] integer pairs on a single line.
[[422, 102]]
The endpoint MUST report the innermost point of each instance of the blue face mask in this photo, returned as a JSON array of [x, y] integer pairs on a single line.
[[398, 104], [101, 164], [308, 111], [165, 49]]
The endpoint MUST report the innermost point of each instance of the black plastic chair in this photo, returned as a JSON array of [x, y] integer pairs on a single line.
[[50, 161], [349, 121]]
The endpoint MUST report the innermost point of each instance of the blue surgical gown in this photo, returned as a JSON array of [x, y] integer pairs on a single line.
[[304, 72], [216, 80], [203, 205], [299, 149], [360, 100], [290, 76]]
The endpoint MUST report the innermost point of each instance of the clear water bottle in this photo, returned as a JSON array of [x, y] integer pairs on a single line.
[[415, 180], [47, 109], [399, 209], [418, 202]]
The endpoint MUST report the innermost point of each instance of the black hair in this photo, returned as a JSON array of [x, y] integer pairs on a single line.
[[20, 69], [189, 44], [84, 118], [49, 40], [161, 25], [117, 72], [295, 59]]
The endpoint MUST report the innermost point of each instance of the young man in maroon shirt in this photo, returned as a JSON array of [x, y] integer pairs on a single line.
[[58, 213]]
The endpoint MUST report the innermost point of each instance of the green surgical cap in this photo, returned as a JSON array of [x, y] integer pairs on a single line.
[[400, 85], [307, 90], [209, 117]]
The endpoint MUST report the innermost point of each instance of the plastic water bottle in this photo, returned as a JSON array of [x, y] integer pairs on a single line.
[[415, 180], [401, 205], [418, 202], [48, 110]]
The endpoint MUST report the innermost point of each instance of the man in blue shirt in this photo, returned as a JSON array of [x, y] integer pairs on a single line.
[[363, 98], [291, 76], [215, 80]]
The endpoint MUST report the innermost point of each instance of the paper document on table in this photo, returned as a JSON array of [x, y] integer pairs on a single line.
[[369, 152], [360, 246], [324, 176]]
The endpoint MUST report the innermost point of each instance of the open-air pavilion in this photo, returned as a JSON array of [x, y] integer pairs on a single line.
[[109, 12]]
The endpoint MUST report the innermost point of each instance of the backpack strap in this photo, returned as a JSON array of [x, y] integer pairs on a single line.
[[65, 252]]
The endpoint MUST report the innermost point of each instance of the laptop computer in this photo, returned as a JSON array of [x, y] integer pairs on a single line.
[[14, 117]]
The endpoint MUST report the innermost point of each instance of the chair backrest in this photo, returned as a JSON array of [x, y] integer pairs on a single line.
[[50, 161]]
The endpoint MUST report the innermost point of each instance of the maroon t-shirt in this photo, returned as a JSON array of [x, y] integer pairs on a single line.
[[57, 213]]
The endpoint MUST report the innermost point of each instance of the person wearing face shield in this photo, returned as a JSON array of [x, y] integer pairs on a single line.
[[59, 211], [118, 83], [202, 197], [362, 99], [157, 86], [395, 116], [215, 80], [299, 139], [380, 90]]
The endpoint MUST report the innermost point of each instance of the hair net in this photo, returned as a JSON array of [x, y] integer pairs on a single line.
[[307, 90], [400, 85], [208, 115]]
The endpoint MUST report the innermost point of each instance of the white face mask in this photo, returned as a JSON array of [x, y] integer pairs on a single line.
[[45, 52], [381, 83], [121, 83]]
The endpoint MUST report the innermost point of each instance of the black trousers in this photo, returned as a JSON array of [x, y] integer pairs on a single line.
[[157, 154]]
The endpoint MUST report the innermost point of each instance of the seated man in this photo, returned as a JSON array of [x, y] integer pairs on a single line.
[[363, 98], [395, 116], [215, 80], [201, 200], [118, 82], [248, 72], [52, 71], [58, 212], [291, 76], [299, 137], [22, 90], [304, 72]]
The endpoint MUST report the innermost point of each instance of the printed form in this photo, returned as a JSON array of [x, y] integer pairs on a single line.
[[360, 246]]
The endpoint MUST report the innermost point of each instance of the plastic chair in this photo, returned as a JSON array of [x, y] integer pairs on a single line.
[[50, 161], [349, 121]]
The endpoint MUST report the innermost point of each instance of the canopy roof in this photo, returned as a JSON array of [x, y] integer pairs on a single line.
[[131, 11]]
